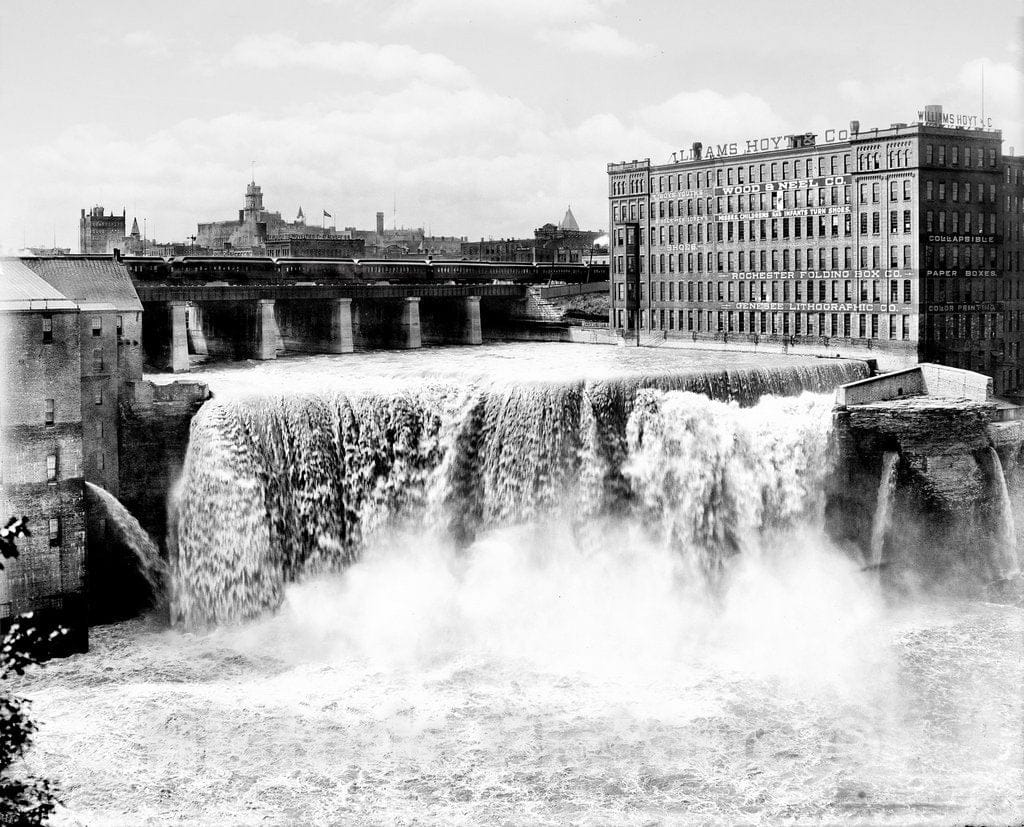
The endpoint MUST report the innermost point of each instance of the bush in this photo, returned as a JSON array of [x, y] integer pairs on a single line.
[[23, 799]]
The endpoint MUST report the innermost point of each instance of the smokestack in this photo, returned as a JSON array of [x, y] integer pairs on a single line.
[[380, 223]]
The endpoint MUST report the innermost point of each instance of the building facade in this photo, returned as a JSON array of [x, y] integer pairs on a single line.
[[41, 453], [100, 232], [905, 239], [563, 243]]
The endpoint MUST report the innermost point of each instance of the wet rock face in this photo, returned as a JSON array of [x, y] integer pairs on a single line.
[[941, 513], [938, 442]]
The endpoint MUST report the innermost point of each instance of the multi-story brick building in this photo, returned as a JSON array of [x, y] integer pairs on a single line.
[[111, 350], [41, 468], [905, 239], [100, 233]]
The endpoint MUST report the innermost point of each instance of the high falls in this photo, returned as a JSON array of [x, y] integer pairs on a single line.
[[544, 585], [281, 484]]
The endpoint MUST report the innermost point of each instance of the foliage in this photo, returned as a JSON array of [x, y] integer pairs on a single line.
[[23, 800]]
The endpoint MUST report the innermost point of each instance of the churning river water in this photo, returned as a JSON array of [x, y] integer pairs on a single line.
[[643, 622]]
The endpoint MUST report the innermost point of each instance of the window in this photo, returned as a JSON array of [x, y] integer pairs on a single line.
[[97, 326], [51, 467], [47, 328], [906, 190], [942, 155], [906, 291], [875, 192], [98, 396], [906, 221], [48, 414], [54, 531], [97, 359], [928, 149]]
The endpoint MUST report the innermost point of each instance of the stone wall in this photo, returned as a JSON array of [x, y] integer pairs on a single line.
[[154, 436], [943, 522]]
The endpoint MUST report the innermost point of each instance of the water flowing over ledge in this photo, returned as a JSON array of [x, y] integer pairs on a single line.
[[281, 484]]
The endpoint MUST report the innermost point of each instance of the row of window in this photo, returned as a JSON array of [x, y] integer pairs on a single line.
[[937, 154], [775, 323], [734, 290], [762, 229], [956, 255], [873, 191], [959, 191], [958, 222], [741, 174], [785, 260], [96, 326]]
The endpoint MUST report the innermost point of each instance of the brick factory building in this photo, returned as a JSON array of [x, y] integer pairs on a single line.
[[41, 444], [905, 239], [71, 355]]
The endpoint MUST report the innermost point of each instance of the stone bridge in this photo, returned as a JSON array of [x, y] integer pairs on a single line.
[[237, 308]]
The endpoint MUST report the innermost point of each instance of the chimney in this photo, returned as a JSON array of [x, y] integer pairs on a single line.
[[380, 223], [698, 149], [854, 127]]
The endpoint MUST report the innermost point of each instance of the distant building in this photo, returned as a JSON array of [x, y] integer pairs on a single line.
[[99, 232], [46, 251], [304, 246], [255, 227], [563, 243]]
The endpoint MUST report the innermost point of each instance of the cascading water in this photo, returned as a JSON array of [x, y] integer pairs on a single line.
[[1005, 561], [531, 603], [278, 486], [137, 580], [883, 507]]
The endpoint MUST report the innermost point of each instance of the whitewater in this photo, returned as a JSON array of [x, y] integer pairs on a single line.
[[600, 596]]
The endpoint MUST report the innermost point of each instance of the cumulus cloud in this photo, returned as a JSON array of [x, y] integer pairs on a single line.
[[595, 38], [525, 12], [372, 61], [148, 42], [710, 116]]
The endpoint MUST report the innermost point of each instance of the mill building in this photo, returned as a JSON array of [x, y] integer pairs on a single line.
[[905, 239]]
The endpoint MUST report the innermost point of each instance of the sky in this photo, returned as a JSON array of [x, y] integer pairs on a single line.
[[478, 118]]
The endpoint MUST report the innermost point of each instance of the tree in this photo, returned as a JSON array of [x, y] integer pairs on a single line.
[[25, 799]]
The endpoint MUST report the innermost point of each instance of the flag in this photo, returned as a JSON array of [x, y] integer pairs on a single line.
[[327, 214]]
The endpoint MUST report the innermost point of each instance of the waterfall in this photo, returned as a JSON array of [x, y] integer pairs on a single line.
[[276, 486], [127, 572], [1004, 557], [883, 507]]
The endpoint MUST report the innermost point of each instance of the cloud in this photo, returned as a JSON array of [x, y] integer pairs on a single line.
[[595, 38], [710, 116], [901, 94], [372, 61], [527, 13], [149, 42]]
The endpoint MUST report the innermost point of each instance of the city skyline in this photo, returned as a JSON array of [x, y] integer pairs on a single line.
[[480, 119]]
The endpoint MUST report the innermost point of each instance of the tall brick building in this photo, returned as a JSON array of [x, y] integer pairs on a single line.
[[99, 232], [906, 239], [70, 354], [41, 468]]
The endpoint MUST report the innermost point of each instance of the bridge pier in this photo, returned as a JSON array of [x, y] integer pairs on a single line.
[[341, 337], [473, 331], [196, 335], [410, 324], [265, 333], [178, 356]]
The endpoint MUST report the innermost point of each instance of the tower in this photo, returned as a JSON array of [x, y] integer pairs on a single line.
[[253, 203]]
